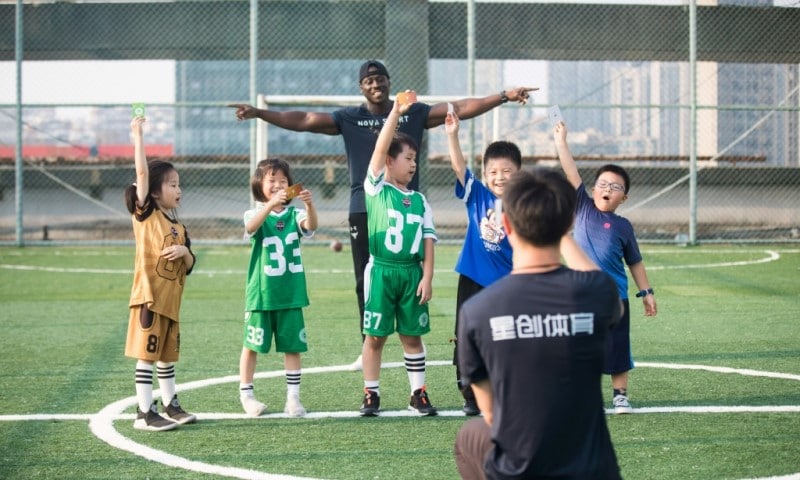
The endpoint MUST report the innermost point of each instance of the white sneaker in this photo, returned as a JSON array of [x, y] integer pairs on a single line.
[[293, 407], [621, 405], [356, 366], [252, 406]]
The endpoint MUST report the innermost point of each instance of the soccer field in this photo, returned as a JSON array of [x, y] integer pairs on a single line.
[[716, 390]]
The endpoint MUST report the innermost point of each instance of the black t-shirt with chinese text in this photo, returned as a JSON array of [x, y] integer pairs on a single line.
[[540, 339]]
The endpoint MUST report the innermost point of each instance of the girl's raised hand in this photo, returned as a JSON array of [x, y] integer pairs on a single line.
[[136, 125]]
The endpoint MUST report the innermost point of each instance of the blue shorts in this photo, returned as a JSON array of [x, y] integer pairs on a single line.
[[619, 358]]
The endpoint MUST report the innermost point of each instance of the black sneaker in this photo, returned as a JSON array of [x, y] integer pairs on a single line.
[[420, 403], [152, 421], [470, 407], [174, 412], [371, 404]]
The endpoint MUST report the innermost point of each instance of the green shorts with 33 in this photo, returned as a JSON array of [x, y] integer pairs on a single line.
[[286, 326]]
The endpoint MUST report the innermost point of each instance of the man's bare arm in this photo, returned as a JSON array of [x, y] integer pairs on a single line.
[[314, 122]]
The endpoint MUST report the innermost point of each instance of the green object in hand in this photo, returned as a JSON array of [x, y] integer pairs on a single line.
[[137, 109]]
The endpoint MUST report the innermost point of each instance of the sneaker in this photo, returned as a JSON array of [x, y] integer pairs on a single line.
[[293, 407], [621, 405], [252, 406], [420, 403], [371, 404], [152, 421], [356, 366], [174, 412], [470, 407]]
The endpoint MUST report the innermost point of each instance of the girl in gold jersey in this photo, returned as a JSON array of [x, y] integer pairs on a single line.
[[163, 259]]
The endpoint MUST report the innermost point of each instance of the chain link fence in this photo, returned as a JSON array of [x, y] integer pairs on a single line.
[[701, 106]]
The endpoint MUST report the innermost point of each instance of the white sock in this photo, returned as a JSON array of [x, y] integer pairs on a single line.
[[292, 383], [373, 385], [144, 385], [246, 391], [415, 367], [166, 381]]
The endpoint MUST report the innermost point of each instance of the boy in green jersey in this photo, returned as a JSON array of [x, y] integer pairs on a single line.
[[399, 274], [276, 281]]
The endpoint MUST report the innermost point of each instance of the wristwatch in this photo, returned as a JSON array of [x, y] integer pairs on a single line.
[[644, 293], [503, 97]]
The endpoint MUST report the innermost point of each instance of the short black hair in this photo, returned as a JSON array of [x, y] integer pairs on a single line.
[[615, 169], [503, 149], [398, 140], [540, 204]]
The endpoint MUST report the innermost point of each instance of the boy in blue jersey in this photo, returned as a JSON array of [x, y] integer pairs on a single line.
[[399, 274], [486, 254], [609, 240]]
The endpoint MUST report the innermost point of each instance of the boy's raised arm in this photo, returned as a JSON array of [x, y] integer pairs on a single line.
[[457, 162], [565, 156], [378, 160]]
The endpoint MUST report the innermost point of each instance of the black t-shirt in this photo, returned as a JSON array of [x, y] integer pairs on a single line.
[[359, 129], [539, 339]]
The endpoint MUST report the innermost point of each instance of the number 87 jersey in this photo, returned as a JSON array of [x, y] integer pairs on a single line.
[[398, 221]]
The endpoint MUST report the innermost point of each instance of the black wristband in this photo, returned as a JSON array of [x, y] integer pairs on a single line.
[[503, 97], [644, 293]]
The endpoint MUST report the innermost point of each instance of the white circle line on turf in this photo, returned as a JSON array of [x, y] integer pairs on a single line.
[[48, 417], [101, 424], [771, 256], [709, 368]]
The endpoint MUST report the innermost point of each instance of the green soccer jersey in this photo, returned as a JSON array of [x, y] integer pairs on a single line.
[[398, 221], [276, 279]]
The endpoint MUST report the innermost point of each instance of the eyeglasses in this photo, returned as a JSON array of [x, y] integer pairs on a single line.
[[602, 185]]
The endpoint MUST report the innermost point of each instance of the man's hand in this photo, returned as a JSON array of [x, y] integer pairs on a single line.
[[520, 94], [244, 111]]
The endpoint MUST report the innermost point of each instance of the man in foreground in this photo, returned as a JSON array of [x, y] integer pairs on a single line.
[[532, 347]]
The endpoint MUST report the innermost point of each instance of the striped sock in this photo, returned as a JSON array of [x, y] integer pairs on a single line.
[[293, 383], [415, 367], [166, 381], [144, 385]]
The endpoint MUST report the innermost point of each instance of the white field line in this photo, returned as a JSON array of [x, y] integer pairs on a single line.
[[771, 256], [101, 423], [50, 417]]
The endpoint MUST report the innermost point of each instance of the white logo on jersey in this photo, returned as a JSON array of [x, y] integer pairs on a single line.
[[507, 327]]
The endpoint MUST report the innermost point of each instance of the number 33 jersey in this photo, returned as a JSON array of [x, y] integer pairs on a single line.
[[276, 279]]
